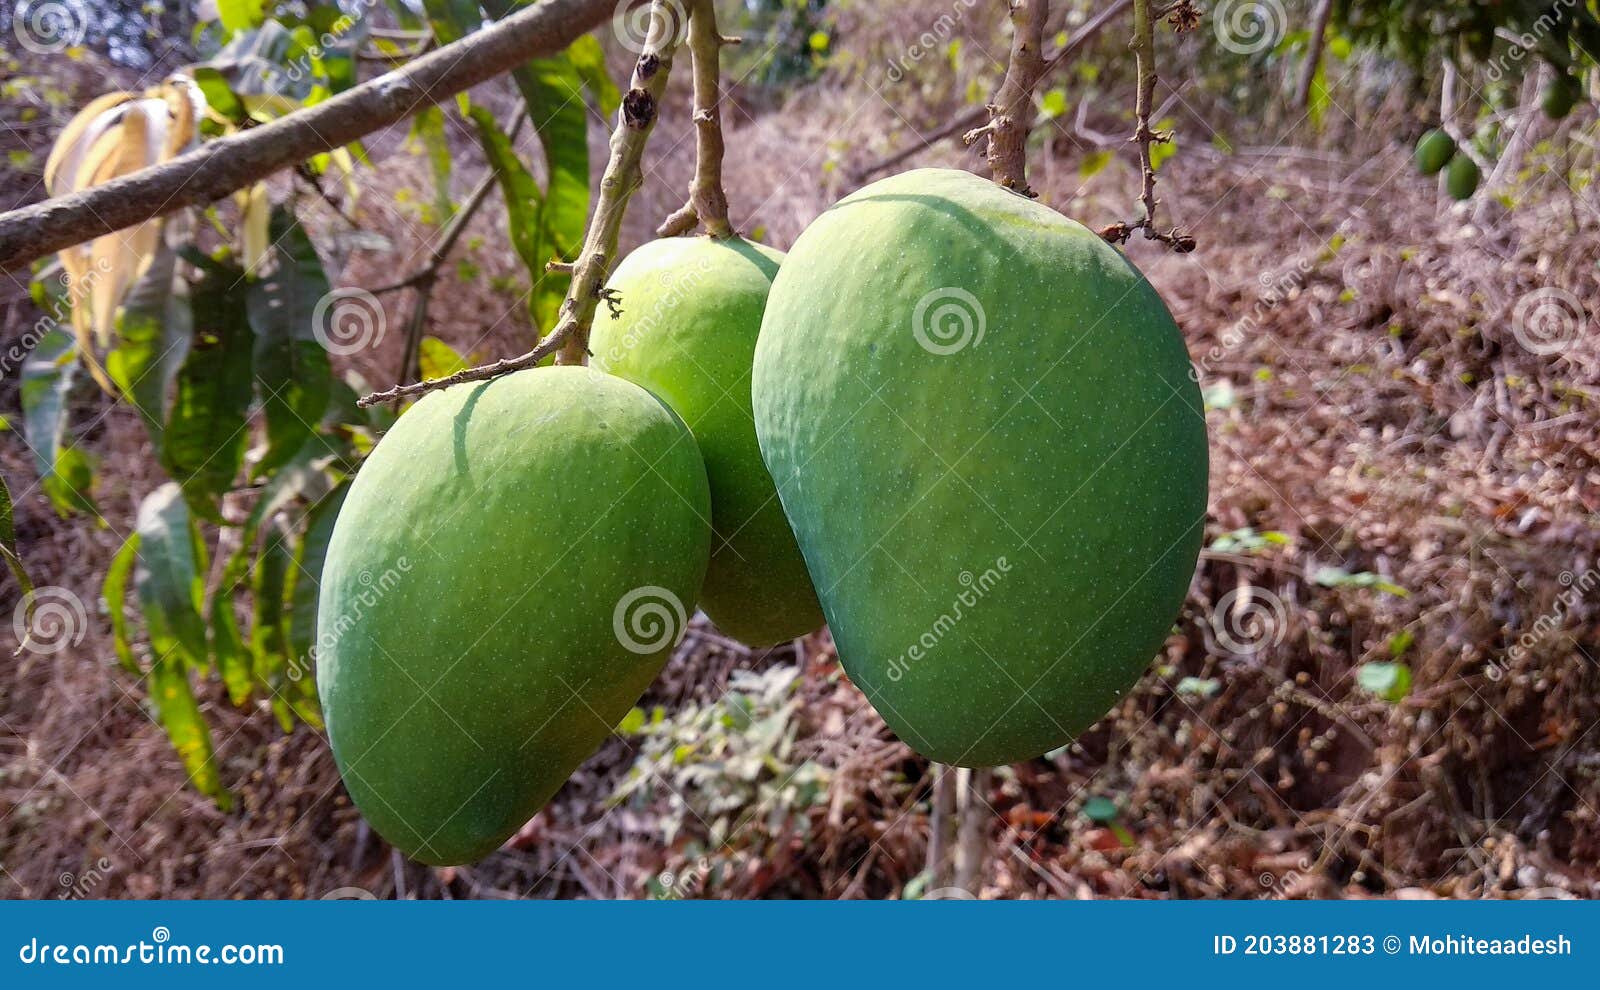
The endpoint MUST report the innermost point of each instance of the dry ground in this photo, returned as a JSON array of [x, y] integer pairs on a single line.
[[1374, 405]]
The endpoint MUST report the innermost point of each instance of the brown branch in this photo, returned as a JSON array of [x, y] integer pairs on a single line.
[[569, 341], [708, 203], [974, 117], [1144, 49], [1319, 42], [219, 167], [1011, 113]]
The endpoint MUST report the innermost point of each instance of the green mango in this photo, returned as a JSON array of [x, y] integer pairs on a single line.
[[1462, 179], [509, 572], [1434, 151], [983, 425], [690, 312], [1561, 95]]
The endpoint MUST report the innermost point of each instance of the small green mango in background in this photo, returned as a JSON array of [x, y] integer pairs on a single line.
[[1561, 95], [1434, 151], [690, 313], [509, 572], [1462, 179], [983, 424]]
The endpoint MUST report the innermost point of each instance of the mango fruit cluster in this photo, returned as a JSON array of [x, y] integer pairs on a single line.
[[959, 428]]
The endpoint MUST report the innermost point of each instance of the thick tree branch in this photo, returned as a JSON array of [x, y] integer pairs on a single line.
[[1011, 113], [569, 341], [219, 167], [707, 204], [969, 119]]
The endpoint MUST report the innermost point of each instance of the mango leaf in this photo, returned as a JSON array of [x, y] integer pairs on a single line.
[[8, 548], [71, 484], [206, 429], [240, 15], [291, 366], [427, 129], [191, 737], [588, 57], [169, 577], [269, 632], [115, 591], [153, 333], [1389, 680], [47, 377], [305, 581], [523, 199], [227, 645], [438, 359]]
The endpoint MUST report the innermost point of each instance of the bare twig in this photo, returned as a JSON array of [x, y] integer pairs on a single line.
[[707, 204], [1144, 49], [1319, 43], [974, 117], [1011, 113], [219, 167], [636, 119]]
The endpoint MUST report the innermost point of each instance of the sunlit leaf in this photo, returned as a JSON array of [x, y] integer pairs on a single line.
[[206, 429], [191, 737], [115, 591]]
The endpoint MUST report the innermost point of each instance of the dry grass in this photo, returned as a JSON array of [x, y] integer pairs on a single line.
[[1385, 418]]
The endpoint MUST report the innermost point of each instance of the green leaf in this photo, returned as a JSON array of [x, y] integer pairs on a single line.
[[291, 366], [1095, 162], [191, 737], [1390, 681], [1198, 686], [1100, 810], [523, 199], [438, 359], [8, 548], [1400, 642], [305, 580], [206, 430], [227, 644], [269, 624], [240, 15], [115, 591], [154, 328], [427, 129], [47, 377], [169, 576], [71, 484], [588, 57], [1334, 577]]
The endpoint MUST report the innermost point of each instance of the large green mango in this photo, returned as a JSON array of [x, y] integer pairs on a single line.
[[509, 572], [983, 425], [690, 313]]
